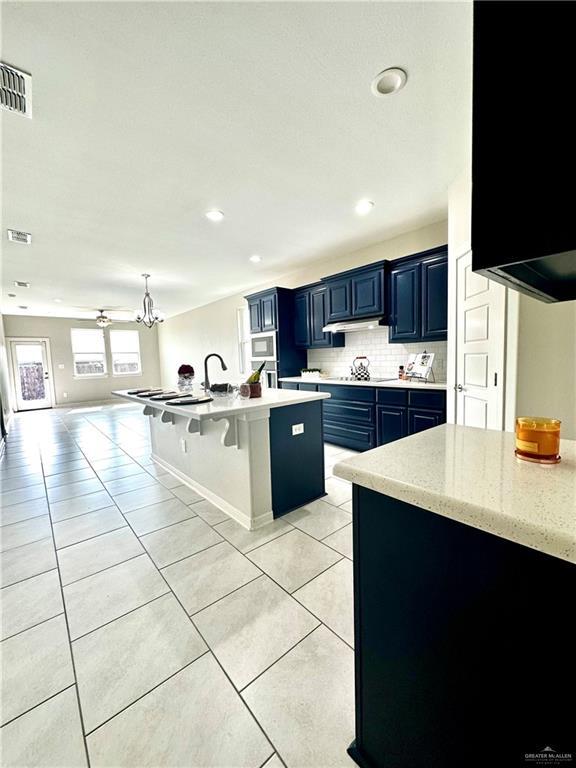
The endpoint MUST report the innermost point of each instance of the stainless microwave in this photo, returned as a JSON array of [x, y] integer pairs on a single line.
[[263, 346]]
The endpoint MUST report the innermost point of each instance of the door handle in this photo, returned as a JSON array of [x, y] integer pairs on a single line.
[[458, 387]]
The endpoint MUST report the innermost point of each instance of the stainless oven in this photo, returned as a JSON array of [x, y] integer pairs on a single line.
[[263, 346]]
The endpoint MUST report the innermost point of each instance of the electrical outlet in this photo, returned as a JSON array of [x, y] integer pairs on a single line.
[[61, 366], [183, 446], [297, 429], [64, 394]]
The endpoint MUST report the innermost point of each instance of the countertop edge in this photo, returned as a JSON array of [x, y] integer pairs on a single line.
[[390, 384], [463, 512]]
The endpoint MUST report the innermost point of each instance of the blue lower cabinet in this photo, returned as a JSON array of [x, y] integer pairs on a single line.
[[392, 423], [419, 419], [308, 387], [288, 385], [352, 436], [348, 410]]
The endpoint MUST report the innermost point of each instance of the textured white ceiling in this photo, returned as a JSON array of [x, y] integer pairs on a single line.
[[146, 114]]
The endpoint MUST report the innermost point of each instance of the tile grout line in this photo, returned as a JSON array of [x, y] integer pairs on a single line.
[[39, 704], [32, 626], [72, 662]]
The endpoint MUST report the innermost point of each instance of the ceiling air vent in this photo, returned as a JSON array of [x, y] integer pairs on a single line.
[[15, 90], [16, 236]]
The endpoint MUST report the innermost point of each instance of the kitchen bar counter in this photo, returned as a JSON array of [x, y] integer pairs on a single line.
[[254, 459], [463, 582], [396, 383], [471, 475]]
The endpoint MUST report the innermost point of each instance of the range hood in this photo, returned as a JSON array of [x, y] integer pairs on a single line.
[[347, 326]]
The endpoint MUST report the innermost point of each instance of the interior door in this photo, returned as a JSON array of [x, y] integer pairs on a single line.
[[480, 346], [31, 375]]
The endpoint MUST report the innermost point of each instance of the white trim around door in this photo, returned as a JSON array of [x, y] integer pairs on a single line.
[[21, 403]]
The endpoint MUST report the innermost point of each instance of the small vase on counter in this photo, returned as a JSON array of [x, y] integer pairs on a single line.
[[185, 378], [253, 386]]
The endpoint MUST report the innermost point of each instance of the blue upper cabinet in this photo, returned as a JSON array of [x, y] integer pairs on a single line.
[[310, 317], [302, 318], [405, 303], [355, 294], [367, 292], [263, 312], [418, 295], [339, 299], [435, 298]]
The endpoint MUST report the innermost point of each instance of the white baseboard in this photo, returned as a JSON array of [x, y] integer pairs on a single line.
[[236, 514]]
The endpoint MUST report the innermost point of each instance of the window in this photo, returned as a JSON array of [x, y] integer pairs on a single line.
[[125, 347], [243, 327], [88, 352]]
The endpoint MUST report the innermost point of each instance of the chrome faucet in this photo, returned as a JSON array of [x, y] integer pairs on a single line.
[[206, 379]]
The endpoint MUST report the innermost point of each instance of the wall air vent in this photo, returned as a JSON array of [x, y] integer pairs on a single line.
[[15, 90], [16, 236]]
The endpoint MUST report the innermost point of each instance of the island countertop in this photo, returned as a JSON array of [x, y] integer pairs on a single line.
[[395, 383], [221, 407], [472, 476]]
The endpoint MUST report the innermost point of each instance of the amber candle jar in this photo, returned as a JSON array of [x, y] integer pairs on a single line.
[[538, 439]]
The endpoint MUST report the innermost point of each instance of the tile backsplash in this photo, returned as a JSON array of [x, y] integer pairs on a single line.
[[384, 357]]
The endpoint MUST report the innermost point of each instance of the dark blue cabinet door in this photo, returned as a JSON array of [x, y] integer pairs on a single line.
[[268, 312], [255, 318], [391, 423], [318, 319], [339, 300], [302, 319], [405, 303], [435, 298], [418, 420], [367, 291]]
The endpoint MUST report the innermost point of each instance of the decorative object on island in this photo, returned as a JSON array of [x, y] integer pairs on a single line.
[[538, 439], [102, 320], [185, 377], [359, 368], [253, 386], [310, 373], [149, 316]]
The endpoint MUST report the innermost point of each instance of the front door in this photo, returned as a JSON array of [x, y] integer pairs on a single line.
[[31, 374], [480, 346]]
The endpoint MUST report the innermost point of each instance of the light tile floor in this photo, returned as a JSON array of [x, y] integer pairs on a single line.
[[143, 627]]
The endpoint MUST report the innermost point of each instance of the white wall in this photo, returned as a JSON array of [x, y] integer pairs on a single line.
[[546, 380], [5, 394], [188, 337], [80, 390]]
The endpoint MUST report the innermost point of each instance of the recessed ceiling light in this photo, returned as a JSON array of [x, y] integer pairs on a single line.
[[58, 301], [364, 207], [214, 215], [21, 306], [21, 284], [389, 81], [255, 259]]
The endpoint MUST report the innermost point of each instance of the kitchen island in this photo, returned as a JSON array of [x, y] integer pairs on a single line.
[[464, 585], [254, 459]]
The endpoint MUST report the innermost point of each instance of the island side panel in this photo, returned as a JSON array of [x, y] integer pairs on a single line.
[[464, 642], [296, 460], [235, 478]]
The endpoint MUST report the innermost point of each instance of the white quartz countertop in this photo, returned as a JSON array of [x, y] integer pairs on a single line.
[[220, 407], [397, 383], [471, 475]]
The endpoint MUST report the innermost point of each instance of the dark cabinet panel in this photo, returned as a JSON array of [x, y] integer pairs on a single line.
[[302, 319], [419, 420], [435, 298], [349, 410], [308, 387], [351, 436], [339, 300], [255, 317], [405, 303], [268, 312], [367, 292], [288, 385], [318, 318], [340, 392], [391, 423]]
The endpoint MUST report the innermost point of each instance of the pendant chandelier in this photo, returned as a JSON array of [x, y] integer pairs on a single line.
[[102, 320], [149, 316]]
